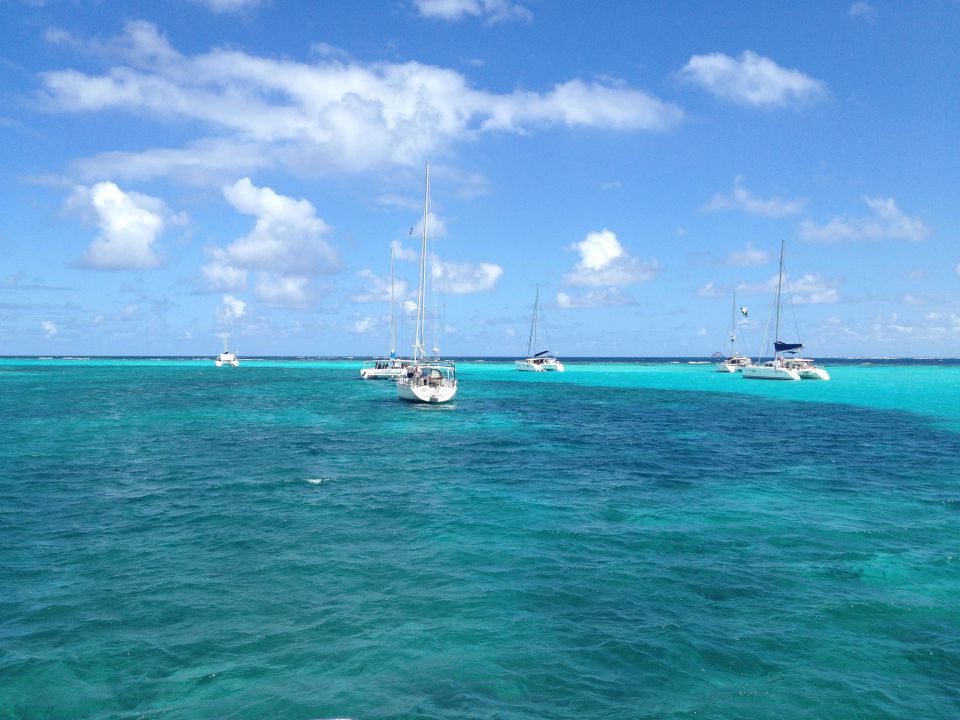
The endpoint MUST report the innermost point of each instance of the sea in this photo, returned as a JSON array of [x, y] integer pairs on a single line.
[[633, 538]]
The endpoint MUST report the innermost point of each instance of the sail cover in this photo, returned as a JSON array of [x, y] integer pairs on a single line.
[[787, 347], [542, 353]]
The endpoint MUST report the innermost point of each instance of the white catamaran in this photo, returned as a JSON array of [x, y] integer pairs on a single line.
[[735, 362], [391, 367], [226, 357], [543, 361], [426, 380], [780, 367]]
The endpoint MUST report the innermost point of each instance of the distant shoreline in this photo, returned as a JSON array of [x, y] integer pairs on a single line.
[[596, 359]]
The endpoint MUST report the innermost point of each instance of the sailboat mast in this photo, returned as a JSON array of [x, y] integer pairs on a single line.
[[533, 322], [393, 312], [733, 321], [776, 333], [418, 352]]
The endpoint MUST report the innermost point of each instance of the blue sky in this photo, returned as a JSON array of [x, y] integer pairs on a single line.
[[176, 171]]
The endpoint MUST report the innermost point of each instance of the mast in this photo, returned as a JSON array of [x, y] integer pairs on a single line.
[[418, 352], [776, 331], [733, 322], [533, 322], [393, 312]]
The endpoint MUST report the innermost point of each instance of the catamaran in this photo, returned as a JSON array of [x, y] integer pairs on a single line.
[[780, 367], [426, 380], [226, 357], [735, 362], [391, 367], [543, 361]]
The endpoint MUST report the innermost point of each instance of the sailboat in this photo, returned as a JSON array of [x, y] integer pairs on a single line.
[[780, 367], [542, 361], [226, 357], [426, 380], [391, 367], [735, 362]]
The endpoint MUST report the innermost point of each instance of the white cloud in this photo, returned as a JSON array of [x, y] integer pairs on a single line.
[[329, 116], [363, 324], [710, 290], [435, 226], [283, 291], [221, 275], [464, 278], [400, 252], [49, 328], [378, 288], [808, 289], [492, 11], [129, 224], [743, 199], [606, 297], [232, 308], [229, 6], [751, 79], [604, 261], [702, 332], [285, 247], [909, 299], [287, 237], [886, 223], [957, 269], [863, 11], [748, 257]]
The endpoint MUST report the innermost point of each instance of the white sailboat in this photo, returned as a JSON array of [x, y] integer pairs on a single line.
[[391, 367], [426, 380], [735, 362], [226, 357], [780, 367], [542, 361]]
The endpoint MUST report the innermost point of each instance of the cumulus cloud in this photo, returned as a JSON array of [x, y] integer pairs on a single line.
[[748, 257], [232, 308], [710, 290], [49, 328], [604, 261], [464, 278], [751, 79], [378, 288], [863, 11], [808, 289], [129, 224], [363, 324], [606, 297], [887, 222], [743, 199], [330, 116], [283, 291], [229, 6], [492, 11], [284, 248]]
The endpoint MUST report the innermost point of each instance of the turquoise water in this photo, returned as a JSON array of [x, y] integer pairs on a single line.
[[282, 540]]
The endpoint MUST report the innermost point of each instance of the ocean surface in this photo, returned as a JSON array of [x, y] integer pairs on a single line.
[[625, 540]]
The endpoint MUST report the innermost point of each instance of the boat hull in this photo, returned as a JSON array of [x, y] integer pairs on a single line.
[[769, 372], [426, 392], [538, 365]]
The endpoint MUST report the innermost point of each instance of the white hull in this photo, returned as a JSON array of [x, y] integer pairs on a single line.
[[426, 391], [813, 374], [526, 366], [226, 359], [770, 371], [735, 363], [549, 364], [806, 369], [381, 374]]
